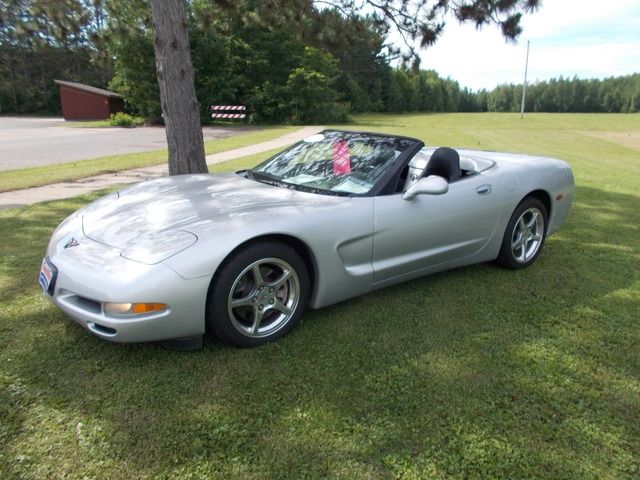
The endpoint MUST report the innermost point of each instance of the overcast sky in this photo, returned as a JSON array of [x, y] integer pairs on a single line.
[[587, 38]]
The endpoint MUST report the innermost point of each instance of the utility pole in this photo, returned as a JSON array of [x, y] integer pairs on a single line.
[[524, 85]]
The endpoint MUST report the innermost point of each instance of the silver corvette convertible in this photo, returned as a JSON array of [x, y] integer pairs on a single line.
[[339, 214]]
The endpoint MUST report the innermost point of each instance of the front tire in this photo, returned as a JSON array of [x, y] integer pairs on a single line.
[[525, 235], [258, 295]]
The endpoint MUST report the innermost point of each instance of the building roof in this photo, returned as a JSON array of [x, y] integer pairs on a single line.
[[88, 88]]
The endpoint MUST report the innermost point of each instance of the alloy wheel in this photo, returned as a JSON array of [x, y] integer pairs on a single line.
[[264, 297]]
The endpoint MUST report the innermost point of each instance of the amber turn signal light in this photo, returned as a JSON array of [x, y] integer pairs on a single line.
[[139, 308]]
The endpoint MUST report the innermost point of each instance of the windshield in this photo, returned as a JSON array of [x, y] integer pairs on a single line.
[[343, 163]]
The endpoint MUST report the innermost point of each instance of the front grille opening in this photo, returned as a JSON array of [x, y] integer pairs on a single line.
[[86, 304], [80, 303]]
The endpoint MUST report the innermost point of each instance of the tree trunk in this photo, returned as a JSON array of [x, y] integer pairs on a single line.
[[177, 91]]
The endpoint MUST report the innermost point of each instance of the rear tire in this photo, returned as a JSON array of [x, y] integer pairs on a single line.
[[525, 235], [258, 295]]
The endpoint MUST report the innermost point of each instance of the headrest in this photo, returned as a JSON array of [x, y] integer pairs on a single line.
[[444, 162]]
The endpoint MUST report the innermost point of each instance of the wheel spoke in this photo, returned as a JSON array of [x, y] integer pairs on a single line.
[[523, 254], [281, 307], [517, 243], [246, 301], [257, 319], [536, 237], [280, 281], [521, 225], [257, 275], [533, 221]]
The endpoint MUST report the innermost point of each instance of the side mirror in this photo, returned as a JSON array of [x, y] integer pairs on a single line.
[[431, 185]]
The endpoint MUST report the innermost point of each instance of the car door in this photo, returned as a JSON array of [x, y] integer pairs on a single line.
[[433, 229]]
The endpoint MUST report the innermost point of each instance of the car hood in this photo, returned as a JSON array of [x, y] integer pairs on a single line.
[[190, 203]]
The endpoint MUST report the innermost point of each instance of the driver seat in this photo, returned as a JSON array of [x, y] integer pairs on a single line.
[[444, 162]]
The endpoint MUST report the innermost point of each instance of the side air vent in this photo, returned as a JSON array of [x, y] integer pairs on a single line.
[[101, 329]]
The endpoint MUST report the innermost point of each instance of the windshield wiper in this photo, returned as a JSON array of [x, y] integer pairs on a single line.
[[265, 178], [269, 179]]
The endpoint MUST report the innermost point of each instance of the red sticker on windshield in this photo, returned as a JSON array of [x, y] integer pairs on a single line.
[[341, 159]]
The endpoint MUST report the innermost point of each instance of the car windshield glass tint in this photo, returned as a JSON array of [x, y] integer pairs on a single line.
[[344, 163]]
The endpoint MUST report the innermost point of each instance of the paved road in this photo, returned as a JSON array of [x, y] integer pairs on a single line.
[[58, 191], [31, 142]]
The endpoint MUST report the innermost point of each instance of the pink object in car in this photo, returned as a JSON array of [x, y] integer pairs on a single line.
[[341, 158]]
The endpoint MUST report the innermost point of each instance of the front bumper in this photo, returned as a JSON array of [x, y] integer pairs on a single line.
[[91, 274]]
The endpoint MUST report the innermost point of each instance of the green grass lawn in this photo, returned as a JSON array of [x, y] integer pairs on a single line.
[[473, 373], [36, 176]]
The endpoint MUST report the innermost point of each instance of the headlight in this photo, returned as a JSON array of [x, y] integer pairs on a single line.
[[156, 247]]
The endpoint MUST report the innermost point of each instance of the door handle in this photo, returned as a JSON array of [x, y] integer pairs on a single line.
[[485, 189]]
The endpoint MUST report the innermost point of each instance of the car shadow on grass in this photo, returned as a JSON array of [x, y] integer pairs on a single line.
[[477, 372]]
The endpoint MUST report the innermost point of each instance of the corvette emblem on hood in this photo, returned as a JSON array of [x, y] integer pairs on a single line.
[[71, 243]]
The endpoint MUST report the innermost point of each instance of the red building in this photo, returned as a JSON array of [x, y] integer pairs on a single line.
[[84, 102]]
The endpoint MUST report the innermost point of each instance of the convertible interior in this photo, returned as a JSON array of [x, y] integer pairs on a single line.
[[444, 162]]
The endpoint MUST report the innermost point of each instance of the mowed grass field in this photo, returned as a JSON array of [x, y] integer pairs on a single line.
[[473, 373]]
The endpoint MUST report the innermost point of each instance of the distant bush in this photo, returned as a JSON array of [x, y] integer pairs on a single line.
[[121, 119]]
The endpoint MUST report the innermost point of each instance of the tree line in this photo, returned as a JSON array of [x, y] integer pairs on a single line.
[[287, 61], [564, 95]]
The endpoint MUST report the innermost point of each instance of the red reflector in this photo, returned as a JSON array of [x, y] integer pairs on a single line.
[[560, 196]]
